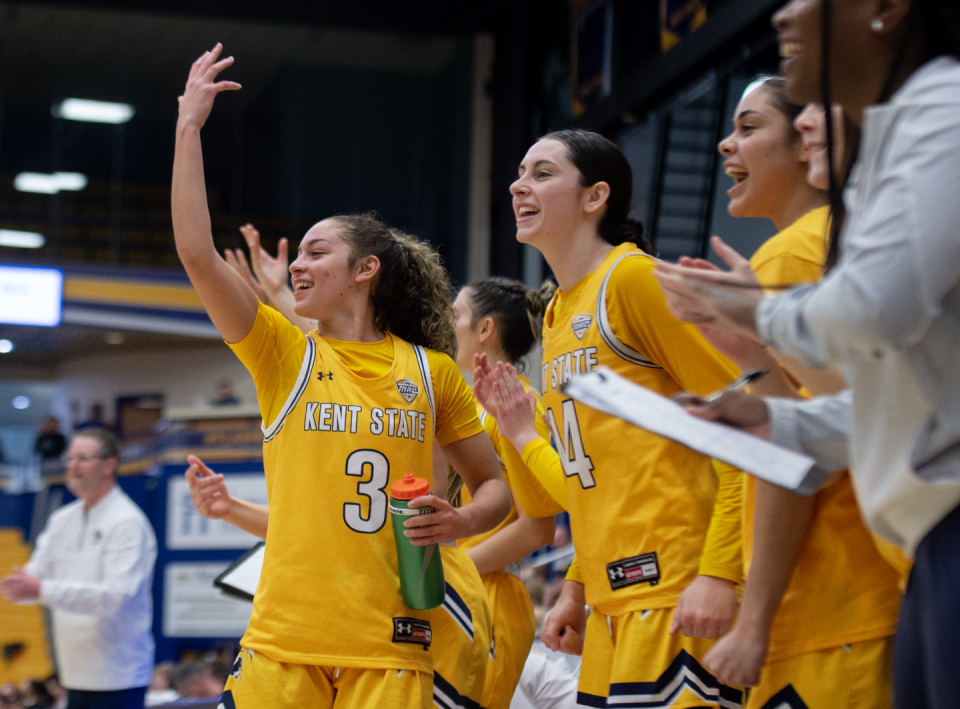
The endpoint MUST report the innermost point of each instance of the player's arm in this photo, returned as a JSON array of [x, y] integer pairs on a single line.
[[468, 449], [564, 626], [228, 300], [782, 521], [521, 537], [208, 492], [500, 391]]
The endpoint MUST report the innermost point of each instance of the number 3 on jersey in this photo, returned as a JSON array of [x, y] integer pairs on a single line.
[[570, 446], [358, 463]]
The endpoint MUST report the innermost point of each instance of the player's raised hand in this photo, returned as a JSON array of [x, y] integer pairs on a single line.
[[202, 87], [706, 608], [271, 271], [484, 384], [738, 658], [208, 490], [516, 408], [238, 262]]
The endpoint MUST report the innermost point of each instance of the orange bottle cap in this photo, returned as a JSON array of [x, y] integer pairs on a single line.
[[409, 488]]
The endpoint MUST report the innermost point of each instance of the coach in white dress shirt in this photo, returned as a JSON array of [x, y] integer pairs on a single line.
[[93, 567]]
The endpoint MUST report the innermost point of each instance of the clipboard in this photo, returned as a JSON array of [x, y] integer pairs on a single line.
[[240, 579], [605, 390]]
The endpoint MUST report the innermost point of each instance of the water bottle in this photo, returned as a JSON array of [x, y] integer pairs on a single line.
[[421, 573]]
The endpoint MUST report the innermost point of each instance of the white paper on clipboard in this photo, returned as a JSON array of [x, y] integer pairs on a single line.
[[605, 390], [241, 578]]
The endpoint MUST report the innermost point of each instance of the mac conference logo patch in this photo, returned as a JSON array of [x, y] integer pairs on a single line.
[[408, 390], [581, 324]]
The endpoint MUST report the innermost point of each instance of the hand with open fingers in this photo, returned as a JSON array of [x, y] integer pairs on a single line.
[[20, 586], [271, 271], [706, 608], [563, 628], [734, 408], [484, 384], [202, 87], [208, 490], [516, 408], [444, 524], [699, 293], [738, 658], [238, 262]]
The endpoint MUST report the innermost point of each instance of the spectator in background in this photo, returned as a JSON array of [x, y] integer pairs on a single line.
[[10, 697], [94, 420], [161, 690], [56, 690], [50, 444], [199, 680], [93, 567], [225, 395]]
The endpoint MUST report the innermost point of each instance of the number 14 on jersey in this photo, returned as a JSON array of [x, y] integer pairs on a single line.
[[574, 459]]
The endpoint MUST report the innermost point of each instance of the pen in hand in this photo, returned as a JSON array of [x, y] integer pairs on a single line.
[[686, 399]]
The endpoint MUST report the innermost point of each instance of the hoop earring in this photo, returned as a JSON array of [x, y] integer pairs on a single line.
[[876, 24]]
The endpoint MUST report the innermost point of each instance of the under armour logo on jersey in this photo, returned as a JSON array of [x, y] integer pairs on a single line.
[[615, 573], [408, 390], [328, 375], [412, 630], [581, 324]]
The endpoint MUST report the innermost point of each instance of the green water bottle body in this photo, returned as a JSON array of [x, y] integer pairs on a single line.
[[421, 572]]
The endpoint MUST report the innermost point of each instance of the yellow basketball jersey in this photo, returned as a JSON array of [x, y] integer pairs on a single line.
[[640, 505], [334, 442], [842, 590]]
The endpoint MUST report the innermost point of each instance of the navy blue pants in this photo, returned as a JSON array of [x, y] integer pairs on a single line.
[[116, 699], [926, 659]]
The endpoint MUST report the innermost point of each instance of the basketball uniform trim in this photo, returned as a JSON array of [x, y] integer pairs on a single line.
[[445, 696], [458, 610], [425, 375], [606, 331], [309, 357], [683, 673]]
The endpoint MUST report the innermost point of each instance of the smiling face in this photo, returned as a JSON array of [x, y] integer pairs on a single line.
[[323, 279], [763, 156], [812, 125], [859, 55], [547, 194]]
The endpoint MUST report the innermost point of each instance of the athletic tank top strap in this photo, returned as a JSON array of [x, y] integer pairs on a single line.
[[309, 357], [606, 331], [424, 365]]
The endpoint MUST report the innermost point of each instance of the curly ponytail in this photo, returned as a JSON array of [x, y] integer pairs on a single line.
[[411, 294], [601, 160], [514, 308]]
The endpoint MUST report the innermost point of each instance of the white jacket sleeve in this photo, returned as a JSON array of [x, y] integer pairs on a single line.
[[901, 252], [819, 428], [127, 562]]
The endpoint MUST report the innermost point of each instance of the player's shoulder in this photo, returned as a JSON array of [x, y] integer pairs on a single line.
[[632, 270]]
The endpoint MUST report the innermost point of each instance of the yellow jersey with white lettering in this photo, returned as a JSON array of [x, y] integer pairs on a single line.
[[640, 505], [842, 590], [342, 422]]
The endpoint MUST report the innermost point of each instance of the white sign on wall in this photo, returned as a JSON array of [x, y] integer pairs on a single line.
[[194, 608], [31, 296], [186, 529]]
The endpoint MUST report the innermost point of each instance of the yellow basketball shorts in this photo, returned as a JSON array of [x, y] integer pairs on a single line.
[[857, 676], [631, 660], [462, 633], [514, 628], [257, 682]]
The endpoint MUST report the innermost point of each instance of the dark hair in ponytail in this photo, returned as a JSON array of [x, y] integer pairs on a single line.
[[411, 293], [600, 160], [514, 308]]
